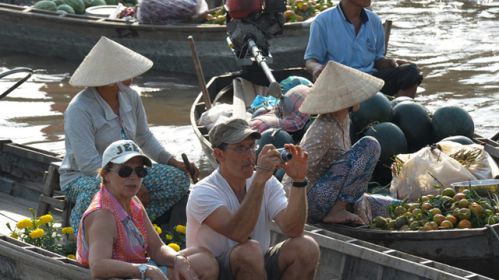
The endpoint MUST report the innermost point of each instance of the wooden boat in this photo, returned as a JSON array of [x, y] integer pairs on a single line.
[[479, 254], [342, 257], [71, 37]]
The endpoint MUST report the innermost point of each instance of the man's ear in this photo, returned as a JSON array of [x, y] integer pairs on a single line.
[[218, 154]]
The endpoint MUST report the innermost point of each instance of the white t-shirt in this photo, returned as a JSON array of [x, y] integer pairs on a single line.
[[214, 192]]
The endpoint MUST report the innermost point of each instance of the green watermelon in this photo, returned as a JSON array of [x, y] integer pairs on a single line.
[[451, 121], [275, 136], [97, 3], [415, 122], [382, 174], [391, 139], [279, 173], [45, 5], [88, 3], [459, 139], [112, 2], [65, 8], [130, 3], [58, 2], [77, 5], [400, 99], [374, 109]]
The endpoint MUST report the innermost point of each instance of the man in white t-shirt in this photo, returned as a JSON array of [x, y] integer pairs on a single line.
[[230, 211]]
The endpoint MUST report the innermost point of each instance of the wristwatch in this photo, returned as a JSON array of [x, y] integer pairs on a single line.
[[143, 269], [300, 184]]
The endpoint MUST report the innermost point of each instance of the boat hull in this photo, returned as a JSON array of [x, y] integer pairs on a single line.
[[72, 36], [472, 249], [341, 258]]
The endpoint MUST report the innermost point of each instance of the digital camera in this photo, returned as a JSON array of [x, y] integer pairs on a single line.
[[285, 154]]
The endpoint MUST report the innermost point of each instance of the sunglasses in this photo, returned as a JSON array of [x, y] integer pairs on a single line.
[[126, 171]]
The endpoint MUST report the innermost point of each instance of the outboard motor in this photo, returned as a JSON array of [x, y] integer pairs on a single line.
[[250, 26]]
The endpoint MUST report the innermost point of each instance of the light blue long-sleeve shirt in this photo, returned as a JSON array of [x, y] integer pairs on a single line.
[[90, 125]]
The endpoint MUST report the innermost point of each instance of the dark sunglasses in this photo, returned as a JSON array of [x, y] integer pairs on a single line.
[[126, 171]]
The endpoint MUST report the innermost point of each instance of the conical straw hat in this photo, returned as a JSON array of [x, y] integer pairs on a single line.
[[339, 87], [109, 62]]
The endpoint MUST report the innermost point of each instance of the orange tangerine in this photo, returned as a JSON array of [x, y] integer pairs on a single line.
[[451, 218], [464, 224]]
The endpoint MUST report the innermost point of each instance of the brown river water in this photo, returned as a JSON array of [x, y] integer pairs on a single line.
[[455, 43]]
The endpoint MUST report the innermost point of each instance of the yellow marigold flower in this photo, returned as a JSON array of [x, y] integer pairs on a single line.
[[168, 236], [71, 256], [24, 223], [14, 235], [45, 219], [174, 246], [157, 228], [180, 228], [37, 233], [67, 230]]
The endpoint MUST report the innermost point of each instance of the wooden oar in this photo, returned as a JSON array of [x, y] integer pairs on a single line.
[[387, 26], [199, 73], [189, 168]]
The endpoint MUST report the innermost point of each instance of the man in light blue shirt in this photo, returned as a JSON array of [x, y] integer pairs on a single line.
[[354, 36]]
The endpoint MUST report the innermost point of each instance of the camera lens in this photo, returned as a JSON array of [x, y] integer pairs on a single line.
[[285, 154]]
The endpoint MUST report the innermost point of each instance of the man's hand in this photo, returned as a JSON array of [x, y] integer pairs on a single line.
[[314, 68], [317, 71], [401, 61], [143, 195], [386, 63], [268, 161], [182, 269], [297, 167]]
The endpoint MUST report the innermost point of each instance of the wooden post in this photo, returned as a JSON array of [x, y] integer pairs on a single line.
[[199, 73], [387, 25]]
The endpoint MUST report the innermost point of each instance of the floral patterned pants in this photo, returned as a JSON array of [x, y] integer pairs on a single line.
[[345, 180], [165, 183]]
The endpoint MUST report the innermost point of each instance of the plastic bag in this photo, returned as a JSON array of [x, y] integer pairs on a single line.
[[262, 102], [417, 174], [114, 15], [482, 165], [169, 11], [370, 206]]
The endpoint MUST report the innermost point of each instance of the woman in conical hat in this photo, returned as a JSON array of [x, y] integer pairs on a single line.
[[338, 172], [106, 110]]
